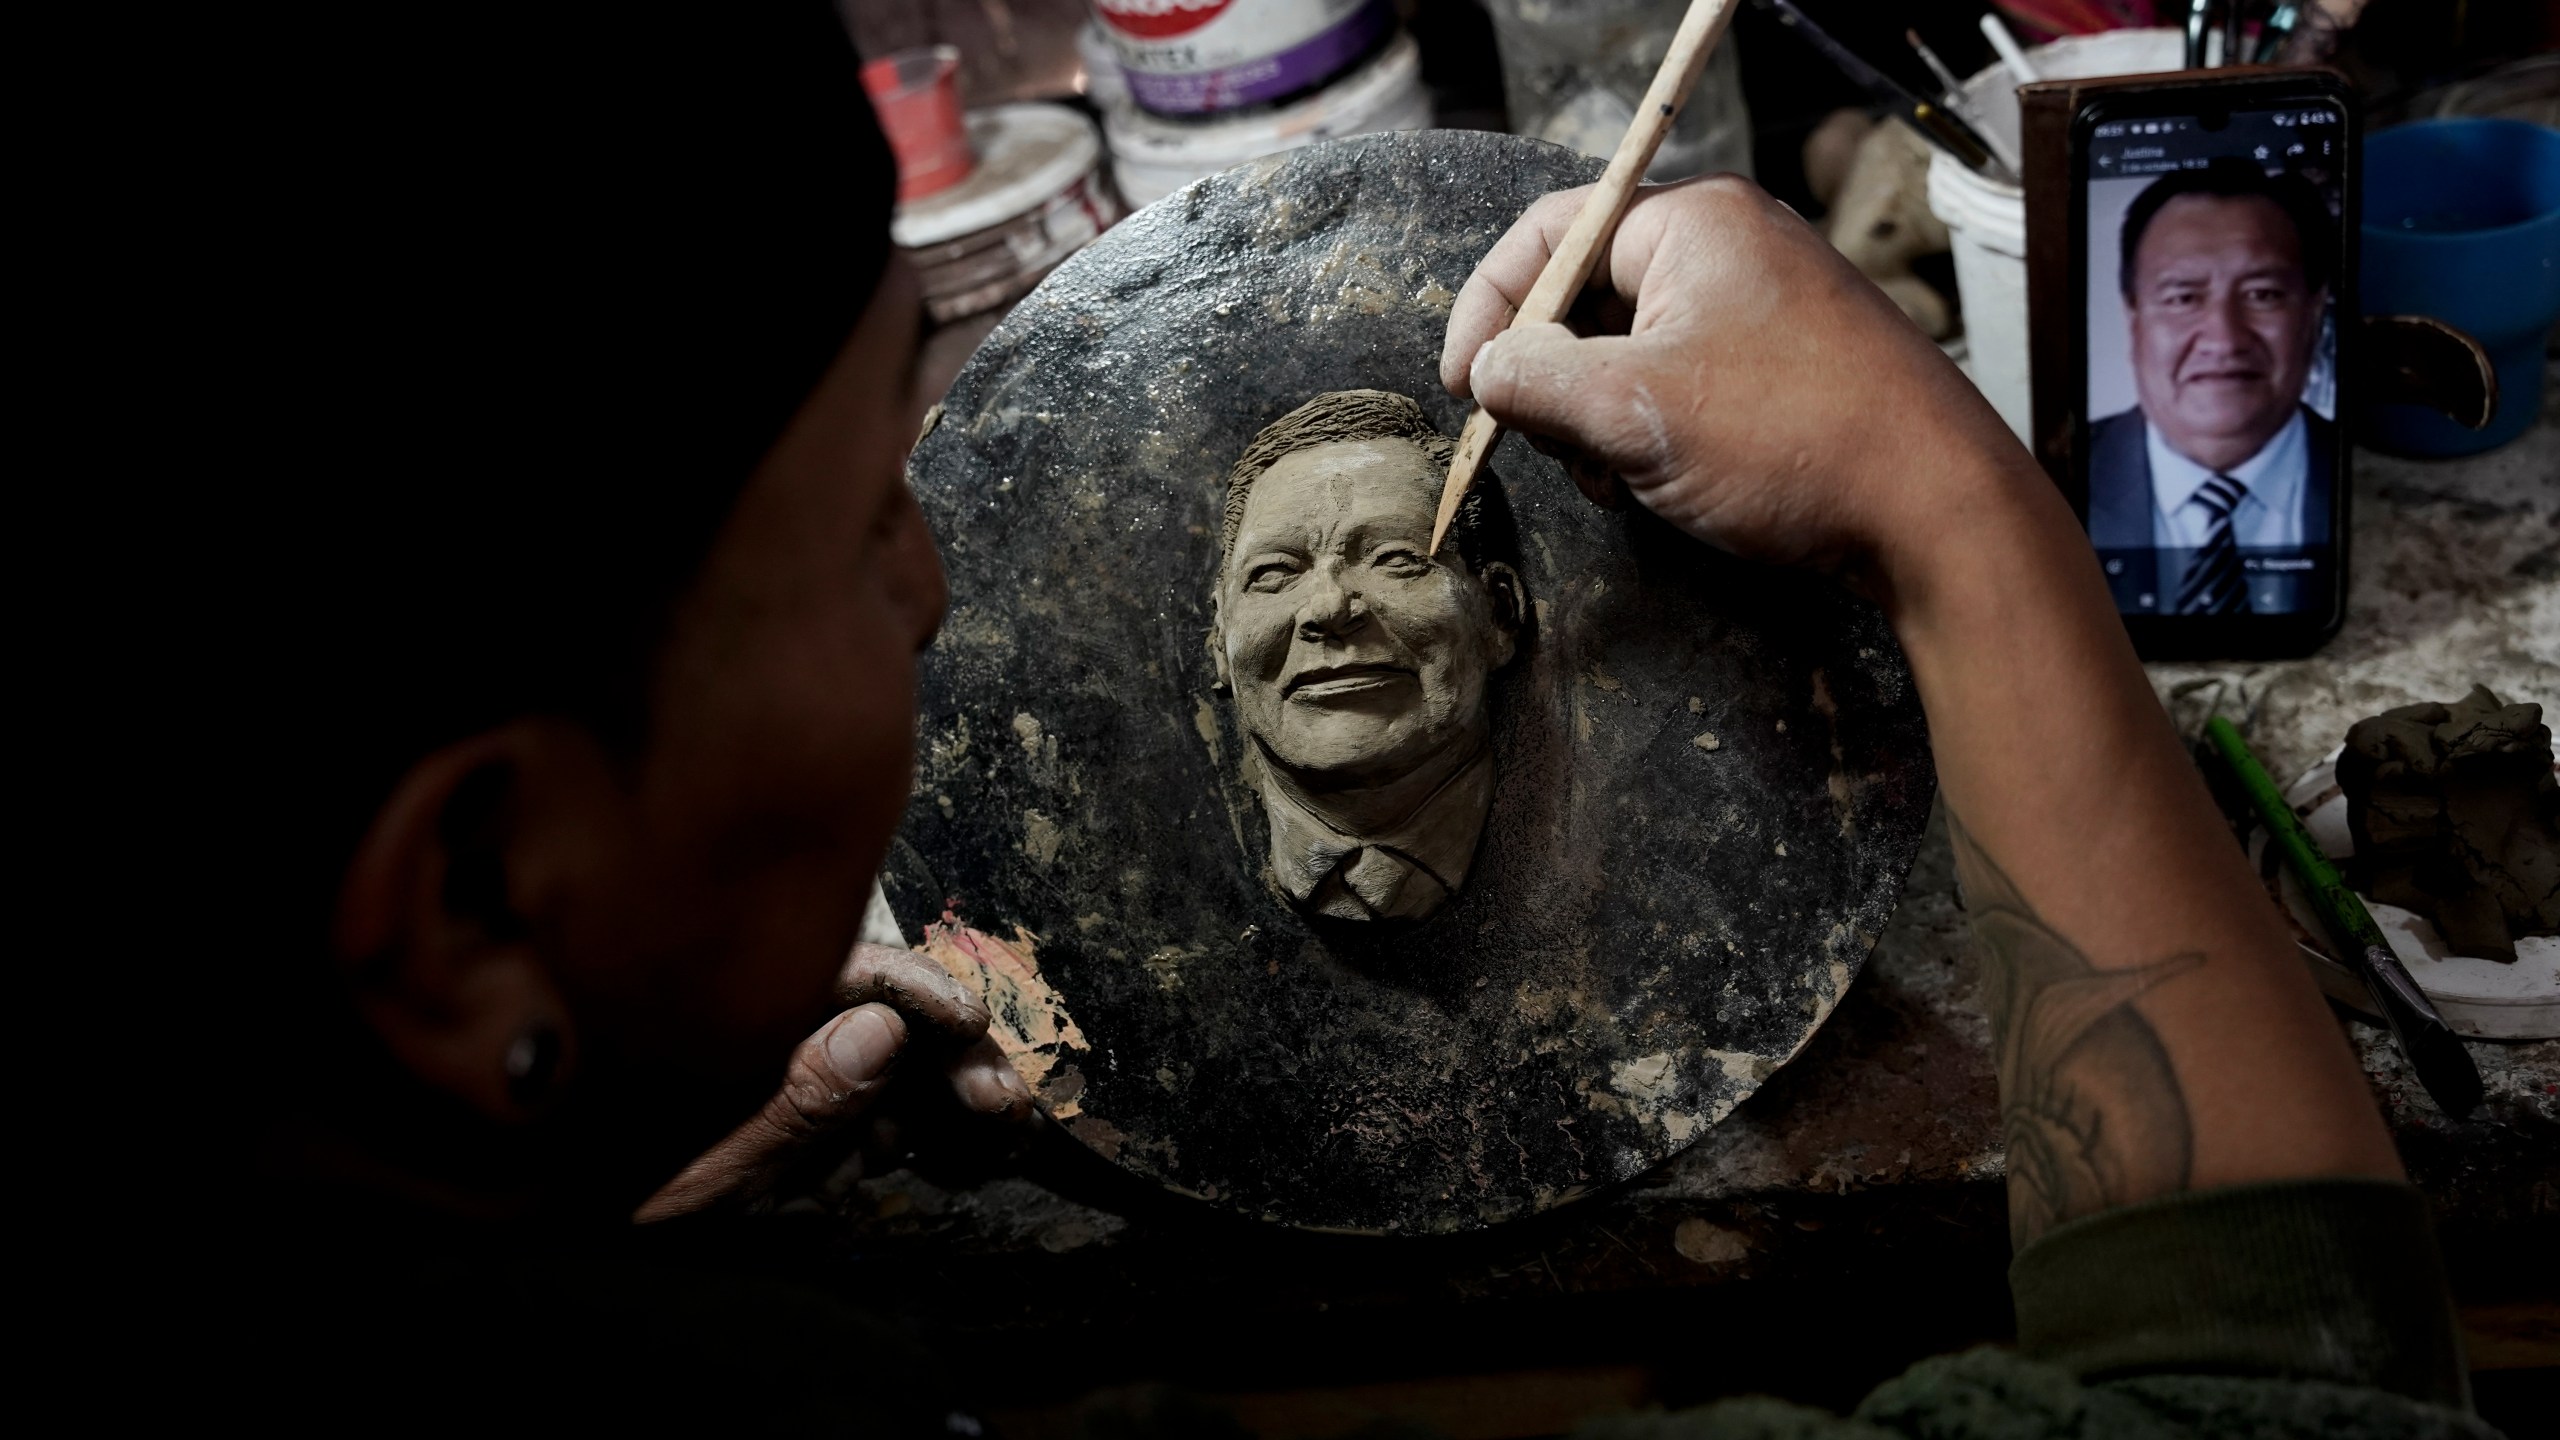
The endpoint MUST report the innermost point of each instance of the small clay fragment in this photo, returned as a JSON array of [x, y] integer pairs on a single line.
[[2456, 815]]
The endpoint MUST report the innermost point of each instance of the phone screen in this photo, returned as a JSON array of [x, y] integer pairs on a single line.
[[2213, 245]]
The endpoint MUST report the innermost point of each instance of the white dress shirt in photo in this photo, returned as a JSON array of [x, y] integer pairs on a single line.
[[2269, 517]]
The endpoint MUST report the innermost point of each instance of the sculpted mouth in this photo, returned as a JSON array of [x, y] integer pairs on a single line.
[[1327, 682]]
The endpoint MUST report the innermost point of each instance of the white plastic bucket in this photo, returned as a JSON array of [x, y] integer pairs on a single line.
[[1103, 83], [1986, 219], [1203, 57], [1152, 158]]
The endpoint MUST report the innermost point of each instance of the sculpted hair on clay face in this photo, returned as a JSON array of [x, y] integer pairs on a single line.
[[1358, 662]]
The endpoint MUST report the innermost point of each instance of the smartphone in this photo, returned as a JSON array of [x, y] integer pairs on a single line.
[[2213, 242]]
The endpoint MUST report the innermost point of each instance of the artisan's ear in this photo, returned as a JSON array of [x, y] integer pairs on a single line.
[[442, 918], [1510, 608]]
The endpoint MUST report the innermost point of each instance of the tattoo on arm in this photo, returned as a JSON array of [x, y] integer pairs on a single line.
[[2088, 1100]]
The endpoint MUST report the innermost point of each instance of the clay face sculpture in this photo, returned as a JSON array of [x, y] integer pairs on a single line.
[[1359, 663]]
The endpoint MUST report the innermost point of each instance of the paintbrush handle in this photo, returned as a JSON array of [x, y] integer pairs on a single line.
[[2435, 1052], [1570, 264]]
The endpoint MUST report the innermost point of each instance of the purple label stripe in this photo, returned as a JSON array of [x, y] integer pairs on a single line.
[[1300, 67]]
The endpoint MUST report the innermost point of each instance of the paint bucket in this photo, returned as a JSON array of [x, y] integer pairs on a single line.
[[1152, 158], [1986, 219], [1037, 195], [917, 97], [1206, 57]]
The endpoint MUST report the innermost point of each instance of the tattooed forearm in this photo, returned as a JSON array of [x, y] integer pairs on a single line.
[[2088, 1100]]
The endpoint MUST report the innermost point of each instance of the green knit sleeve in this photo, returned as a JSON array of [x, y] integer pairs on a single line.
[[2299, 1310], [2335, 1280]]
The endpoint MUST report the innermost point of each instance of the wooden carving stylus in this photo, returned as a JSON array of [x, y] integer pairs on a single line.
[[1569, 267]]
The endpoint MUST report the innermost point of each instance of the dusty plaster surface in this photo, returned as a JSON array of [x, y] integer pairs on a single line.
[[1709, 778]]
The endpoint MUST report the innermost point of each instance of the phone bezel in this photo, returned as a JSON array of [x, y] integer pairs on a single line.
[[2168, 637]]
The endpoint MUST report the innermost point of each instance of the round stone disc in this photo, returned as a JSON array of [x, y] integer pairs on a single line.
[[1711, 776]]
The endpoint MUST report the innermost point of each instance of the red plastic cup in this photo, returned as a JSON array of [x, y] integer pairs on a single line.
[[917, 98]]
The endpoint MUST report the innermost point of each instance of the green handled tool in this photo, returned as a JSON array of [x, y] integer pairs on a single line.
[[2434, 1051]]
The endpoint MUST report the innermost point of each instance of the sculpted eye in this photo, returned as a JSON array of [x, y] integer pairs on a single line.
[[1400, 562], [1270, 575]]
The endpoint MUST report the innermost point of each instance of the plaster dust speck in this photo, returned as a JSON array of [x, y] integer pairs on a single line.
[[1645, 1080], [1703, 1242], [1041, 838]]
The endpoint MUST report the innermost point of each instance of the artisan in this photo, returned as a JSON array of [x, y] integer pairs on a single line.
[[579, 696]]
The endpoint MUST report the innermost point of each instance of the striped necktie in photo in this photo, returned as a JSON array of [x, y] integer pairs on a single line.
[[2214, 585]]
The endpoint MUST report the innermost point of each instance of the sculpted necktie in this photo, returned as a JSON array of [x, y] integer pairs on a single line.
[[1362, 882], [2214, 584]]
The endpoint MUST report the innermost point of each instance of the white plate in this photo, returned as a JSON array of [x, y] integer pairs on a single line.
[[2483, 999]]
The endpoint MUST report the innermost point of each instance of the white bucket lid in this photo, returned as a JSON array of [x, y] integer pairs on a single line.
[[1027, 154]]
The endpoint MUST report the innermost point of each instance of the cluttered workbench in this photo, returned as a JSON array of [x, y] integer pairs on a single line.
[[1845, 1219], [1849, 1217]]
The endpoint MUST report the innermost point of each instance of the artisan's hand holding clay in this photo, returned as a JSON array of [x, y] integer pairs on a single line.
[[895, 998], [1358, 662], [1748, 384]]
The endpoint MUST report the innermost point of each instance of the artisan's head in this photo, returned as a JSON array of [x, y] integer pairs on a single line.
[[1357, 657], [583, 673], [2225, 276]]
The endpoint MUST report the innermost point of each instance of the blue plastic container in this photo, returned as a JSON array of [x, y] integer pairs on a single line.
[[2462, 222]]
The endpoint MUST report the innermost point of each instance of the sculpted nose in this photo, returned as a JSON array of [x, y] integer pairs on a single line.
[[1332, 609]]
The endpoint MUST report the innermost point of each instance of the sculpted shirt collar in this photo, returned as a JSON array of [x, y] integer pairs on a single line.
[[1402, 874], [2269, 516]]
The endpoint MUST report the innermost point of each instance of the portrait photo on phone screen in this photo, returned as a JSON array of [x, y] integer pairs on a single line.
[[2211, 282]]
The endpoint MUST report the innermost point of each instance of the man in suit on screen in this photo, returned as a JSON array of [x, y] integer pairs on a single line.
[[2225, 276]]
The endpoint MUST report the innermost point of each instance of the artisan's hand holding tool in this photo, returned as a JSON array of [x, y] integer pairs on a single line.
[[2434, 1051], [1570, 267]]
